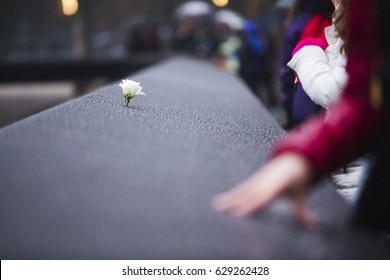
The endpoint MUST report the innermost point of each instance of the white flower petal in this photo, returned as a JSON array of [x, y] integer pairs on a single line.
[[131, 88]]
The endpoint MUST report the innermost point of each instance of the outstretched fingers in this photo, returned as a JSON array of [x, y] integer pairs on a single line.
[[287, 174], [241, 201], [301, 210], [252, 195]]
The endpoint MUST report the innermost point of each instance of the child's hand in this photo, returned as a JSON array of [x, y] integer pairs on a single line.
[[310, 42], [286, 174]]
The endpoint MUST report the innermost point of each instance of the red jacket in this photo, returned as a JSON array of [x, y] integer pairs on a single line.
[[353, 125]]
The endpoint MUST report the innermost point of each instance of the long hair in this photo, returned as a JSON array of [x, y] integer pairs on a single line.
[[340, 21]]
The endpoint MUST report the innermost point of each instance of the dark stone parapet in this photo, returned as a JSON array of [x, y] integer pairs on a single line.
[[94, 179]]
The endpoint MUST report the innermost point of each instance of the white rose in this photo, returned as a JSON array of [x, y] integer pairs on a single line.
[[130, 89]]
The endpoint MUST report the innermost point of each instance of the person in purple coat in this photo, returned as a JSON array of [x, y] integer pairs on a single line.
[[307, 19]]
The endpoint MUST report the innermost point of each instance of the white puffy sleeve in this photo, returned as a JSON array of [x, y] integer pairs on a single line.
[[322, 78]]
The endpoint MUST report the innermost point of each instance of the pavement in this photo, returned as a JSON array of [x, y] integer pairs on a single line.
[[94, 179]]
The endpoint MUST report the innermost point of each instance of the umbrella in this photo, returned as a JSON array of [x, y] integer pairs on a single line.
[[230, 18], [193, 9]]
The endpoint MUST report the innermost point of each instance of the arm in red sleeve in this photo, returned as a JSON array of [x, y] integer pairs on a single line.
[[351, 130]]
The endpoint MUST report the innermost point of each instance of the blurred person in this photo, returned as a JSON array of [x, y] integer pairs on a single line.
[[252, 55], [241, 50], [372, 207], [228, 26], [358, 123], [194, 32], [320, 70], [142, 35], [270, 27], [319, 65], [307, 19], [184, 35], [194, 35]]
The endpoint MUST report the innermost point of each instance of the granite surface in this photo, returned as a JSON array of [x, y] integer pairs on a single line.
[[93, 179]]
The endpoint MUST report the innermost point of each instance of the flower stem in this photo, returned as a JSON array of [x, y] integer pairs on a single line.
[[127, 99]]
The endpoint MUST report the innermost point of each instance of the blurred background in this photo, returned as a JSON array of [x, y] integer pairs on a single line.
[[55, 50]]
